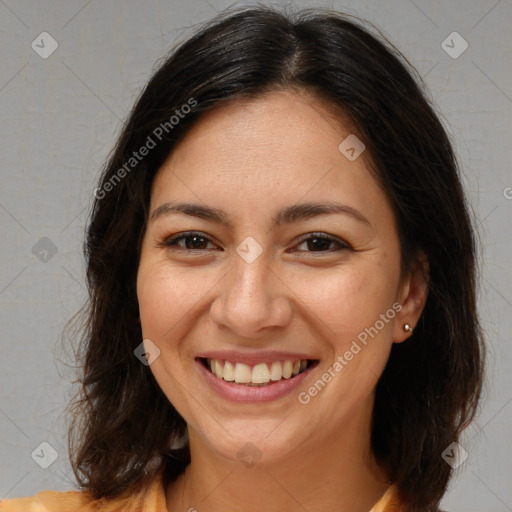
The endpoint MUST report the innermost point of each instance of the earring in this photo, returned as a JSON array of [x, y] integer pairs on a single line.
[[408, 328]]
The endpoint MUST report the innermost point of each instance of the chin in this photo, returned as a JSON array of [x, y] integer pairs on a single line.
[[253, 442]]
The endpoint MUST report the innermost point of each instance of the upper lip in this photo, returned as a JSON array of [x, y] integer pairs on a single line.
[[253, 357]]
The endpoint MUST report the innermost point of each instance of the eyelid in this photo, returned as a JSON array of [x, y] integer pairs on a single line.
[[343, 245], [321, 234], [171, 240]]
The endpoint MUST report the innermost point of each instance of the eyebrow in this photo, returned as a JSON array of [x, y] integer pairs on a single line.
[[287, 215]]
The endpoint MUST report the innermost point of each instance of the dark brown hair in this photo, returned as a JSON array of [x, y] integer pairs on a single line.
[[431, 386]]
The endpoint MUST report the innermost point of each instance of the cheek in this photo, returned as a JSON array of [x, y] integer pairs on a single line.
[[347, 301], [349, 306], [170, 300], [162, 307], [159, 296]]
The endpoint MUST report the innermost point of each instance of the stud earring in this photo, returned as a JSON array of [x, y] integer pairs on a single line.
[[408, 328]]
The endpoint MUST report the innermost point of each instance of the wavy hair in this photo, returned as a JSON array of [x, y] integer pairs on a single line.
[[431, 386]]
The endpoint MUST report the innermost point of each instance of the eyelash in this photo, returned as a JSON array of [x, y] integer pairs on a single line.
[[171, 242]]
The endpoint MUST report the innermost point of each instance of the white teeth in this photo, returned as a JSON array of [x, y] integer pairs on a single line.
[[229, 371], [276, 371], [218, 369], [287, 369], [261, 374], [242, 373]]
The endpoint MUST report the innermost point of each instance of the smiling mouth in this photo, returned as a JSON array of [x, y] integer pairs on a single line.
[[258, 375]]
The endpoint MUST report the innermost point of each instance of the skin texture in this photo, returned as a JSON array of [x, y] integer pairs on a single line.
[[251, 159]]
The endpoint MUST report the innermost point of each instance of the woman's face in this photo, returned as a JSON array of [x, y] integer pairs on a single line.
[[269, 277]]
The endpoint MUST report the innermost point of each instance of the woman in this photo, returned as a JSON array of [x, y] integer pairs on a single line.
[[282, 274]]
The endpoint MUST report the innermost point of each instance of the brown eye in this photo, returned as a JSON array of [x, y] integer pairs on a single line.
[[188, 241], [321, 242]]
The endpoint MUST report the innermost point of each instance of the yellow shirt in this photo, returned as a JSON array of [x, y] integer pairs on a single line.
[[151, 499]]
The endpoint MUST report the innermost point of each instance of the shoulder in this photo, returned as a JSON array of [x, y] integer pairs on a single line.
[[392, 502], [50, 501], [389, 502], [150, 499]]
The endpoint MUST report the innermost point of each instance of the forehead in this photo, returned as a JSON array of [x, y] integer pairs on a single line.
[[273, 150], [281, 125]]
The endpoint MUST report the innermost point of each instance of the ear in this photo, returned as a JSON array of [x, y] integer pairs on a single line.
[[412, 296]]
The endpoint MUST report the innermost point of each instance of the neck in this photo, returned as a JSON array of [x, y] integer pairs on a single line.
[[335, 471]]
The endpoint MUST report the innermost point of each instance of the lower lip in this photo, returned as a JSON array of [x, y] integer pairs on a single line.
[[242, 393]]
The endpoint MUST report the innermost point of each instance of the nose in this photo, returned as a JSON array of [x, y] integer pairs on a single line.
[[252, 299]]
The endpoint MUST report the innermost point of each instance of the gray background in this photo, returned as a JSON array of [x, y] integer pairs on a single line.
[[59, 119]]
